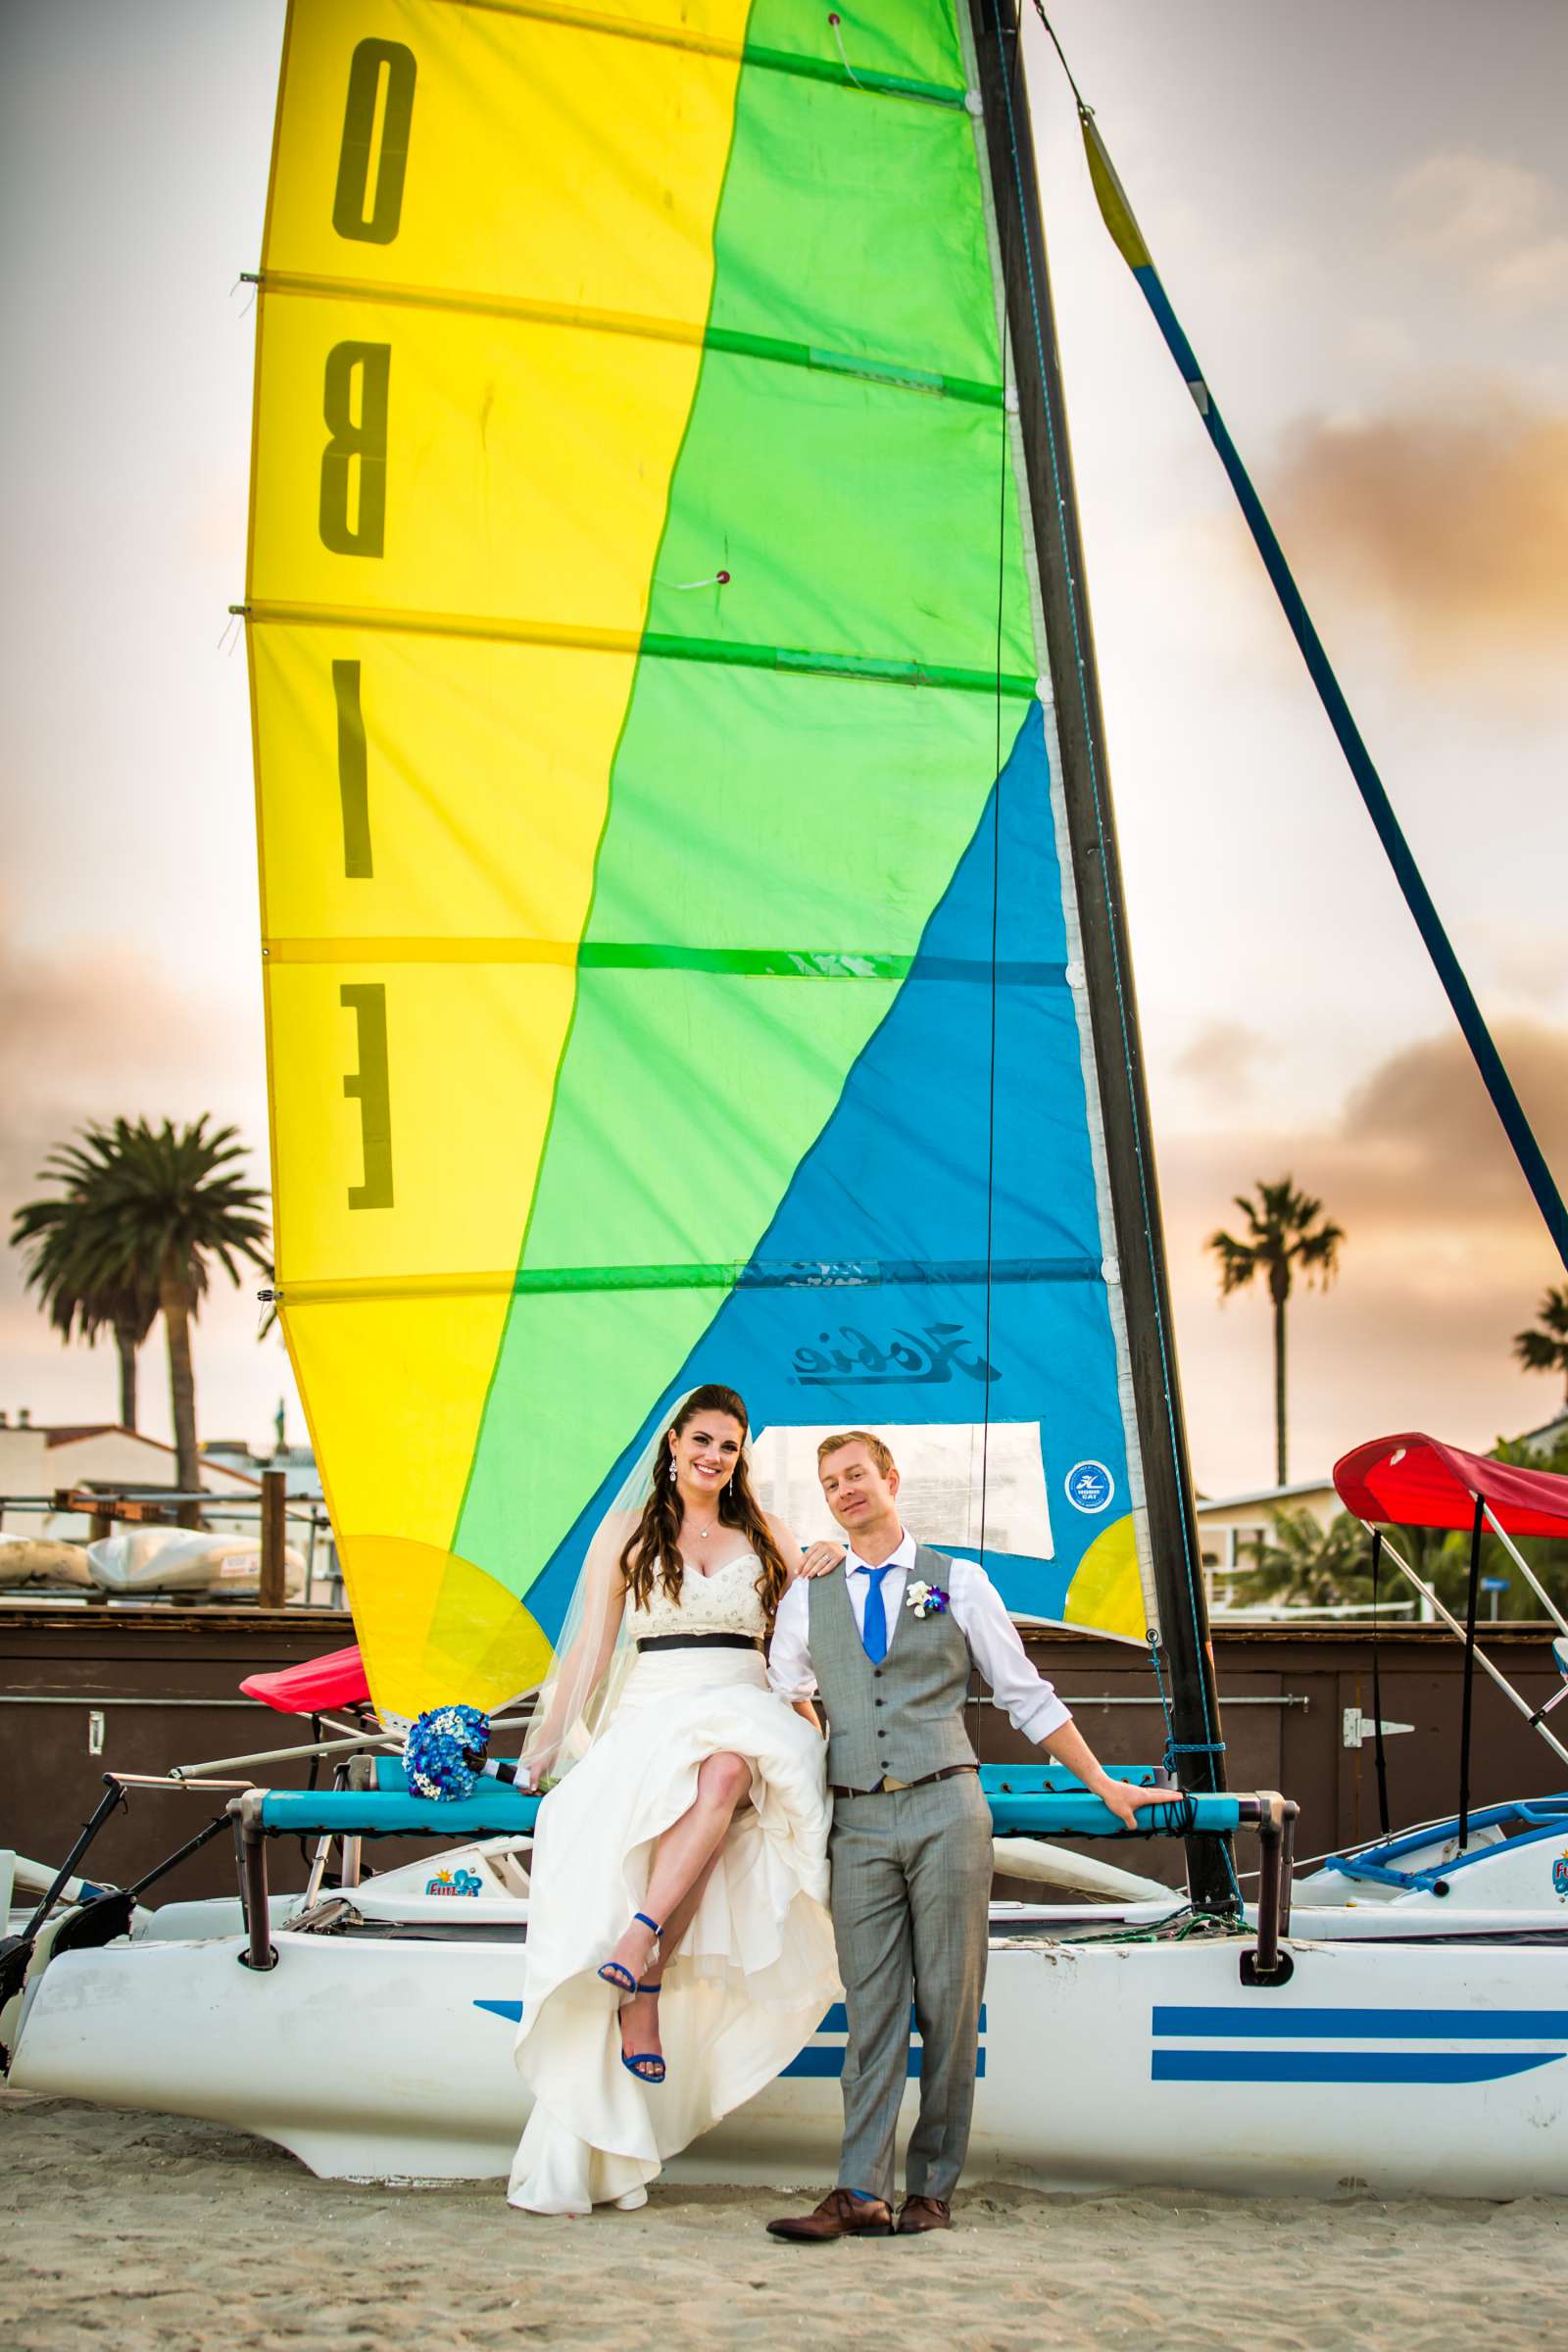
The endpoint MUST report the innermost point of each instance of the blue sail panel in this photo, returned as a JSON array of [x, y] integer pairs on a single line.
[[936, 1270]]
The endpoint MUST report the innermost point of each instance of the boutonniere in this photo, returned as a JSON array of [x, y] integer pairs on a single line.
[[926, 1601]]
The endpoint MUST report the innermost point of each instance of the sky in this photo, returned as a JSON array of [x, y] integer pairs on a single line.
[[1360, 213]]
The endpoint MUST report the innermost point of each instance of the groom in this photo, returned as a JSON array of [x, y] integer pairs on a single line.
[[910, 1842]]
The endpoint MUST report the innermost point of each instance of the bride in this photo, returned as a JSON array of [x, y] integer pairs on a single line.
[[679, 1948]]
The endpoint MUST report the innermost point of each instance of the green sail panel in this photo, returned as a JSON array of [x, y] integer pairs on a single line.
[[859, 516]]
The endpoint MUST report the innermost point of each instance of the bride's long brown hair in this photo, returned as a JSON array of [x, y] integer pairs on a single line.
[[653, 1549]]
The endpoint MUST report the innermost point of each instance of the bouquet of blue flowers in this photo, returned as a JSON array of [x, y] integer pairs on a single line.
[[444, 1752]]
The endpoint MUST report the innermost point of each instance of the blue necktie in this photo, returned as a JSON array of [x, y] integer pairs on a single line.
[[874, 1629]]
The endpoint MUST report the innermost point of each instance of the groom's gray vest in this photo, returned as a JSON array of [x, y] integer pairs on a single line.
[[905, 1718]]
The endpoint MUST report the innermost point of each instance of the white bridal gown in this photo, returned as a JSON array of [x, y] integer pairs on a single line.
[[755, 1970]]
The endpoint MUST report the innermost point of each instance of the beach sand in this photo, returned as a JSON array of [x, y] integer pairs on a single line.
[[144, 2230]]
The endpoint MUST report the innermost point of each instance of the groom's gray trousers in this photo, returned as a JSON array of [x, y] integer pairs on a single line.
[[911, 1889]]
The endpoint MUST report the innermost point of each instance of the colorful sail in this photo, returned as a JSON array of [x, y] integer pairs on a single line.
[[670, 963]]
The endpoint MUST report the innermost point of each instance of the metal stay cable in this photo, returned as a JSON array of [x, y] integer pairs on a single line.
[[1014, 64]]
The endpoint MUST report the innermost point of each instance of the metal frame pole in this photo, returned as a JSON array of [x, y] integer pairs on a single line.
[[250, 1841], [1198, 1741]]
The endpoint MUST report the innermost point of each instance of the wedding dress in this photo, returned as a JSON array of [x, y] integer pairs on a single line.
[[756, 1969]]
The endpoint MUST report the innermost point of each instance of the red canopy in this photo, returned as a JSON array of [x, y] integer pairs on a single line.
[[336, 1680], [1414, 1481]]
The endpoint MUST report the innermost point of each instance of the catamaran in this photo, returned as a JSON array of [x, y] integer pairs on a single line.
[[694, 949]]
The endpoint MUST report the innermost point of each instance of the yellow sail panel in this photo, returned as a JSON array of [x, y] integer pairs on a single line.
[[566, 166], [457, 501], [359, 844], [529, 478]]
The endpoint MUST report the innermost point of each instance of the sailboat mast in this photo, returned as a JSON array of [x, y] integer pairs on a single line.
[[1118, 1051]]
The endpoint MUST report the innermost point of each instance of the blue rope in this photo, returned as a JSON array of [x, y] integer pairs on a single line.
[[1123, 1014]]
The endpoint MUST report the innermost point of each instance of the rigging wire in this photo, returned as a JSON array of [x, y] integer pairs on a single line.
[[1006, 342], [1010, 42], [1004, 354], [1084, 108], [1011, 66]]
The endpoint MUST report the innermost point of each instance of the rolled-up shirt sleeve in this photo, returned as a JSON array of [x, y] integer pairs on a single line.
[[1029, 1700], [788, 1657]]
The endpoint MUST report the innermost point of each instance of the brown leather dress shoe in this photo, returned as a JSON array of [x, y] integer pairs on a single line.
[[841, 2214], [924, 2213]]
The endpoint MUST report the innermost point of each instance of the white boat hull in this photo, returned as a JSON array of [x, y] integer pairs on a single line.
[[1437, 2070]]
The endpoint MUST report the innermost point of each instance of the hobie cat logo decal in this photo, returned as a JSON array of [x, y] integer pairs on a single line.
[[921, 1359], [1351, 2045], [822, 2058], [1089, 1487]]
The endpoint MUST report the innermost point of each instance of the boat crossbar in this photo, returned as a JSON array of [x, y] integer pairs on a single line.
[[354, 1814]]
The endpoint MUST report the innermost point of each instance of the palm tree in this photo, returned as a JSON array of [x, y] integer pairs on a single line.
[[1287, 1231], [55, 1234], [1303, 1565], [1544, 1347], [163, 1203]]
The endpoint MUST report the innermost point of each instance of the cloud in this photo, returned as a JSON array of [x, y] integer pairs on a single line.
[[1445, 1259], [1222, 1060], [1455, 525], [1494, 220], [88, 1031]]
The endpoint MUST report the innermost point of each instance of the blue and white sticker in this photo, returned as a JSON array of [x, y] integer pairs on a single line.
[[1089, 1488]]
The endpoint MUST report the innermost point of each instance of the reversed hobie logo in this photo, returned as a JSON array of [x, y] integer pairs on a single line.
[[923, 1358], [1201, 2044]]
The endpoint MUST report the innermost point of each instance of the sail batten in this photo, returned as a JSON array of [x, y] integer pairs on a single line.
[[655, 645], [666, 33], [754, 1274]]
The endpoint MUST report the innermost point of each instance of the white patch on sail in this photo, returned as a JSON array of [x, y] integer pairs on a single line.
[[940, 1494]]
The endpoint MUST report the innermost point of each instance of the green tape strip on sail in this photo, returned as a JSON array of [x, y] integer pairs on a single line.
[[748, 805]]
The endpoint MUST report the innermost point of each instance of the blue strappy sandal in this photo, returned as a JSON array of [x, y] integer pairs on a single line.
[[634, 2061], [613, 1972]]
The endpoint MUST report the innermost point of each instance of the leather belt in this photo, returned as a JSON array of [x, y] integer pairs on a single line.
[[949, 1772], [697, 1642]]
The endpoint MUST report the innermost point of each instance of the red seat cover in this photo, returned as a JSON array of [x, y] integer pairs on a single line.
[[1416, 1481], [336, 1680]]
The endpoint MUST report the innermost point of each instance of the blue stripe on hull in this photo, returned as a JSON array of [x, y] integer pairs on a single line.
[[1345, 2066], [827, 2065], [1368, 2025], [818, 2063]]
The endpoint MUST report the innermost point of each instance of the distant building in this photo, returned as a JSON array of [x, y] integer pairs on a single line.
[[1549, 1437], [1229, 1525], [39, 1460]]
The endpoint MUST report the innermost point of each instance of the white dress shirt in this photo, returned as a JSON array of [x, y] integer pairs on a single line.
[[977, 1610]]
